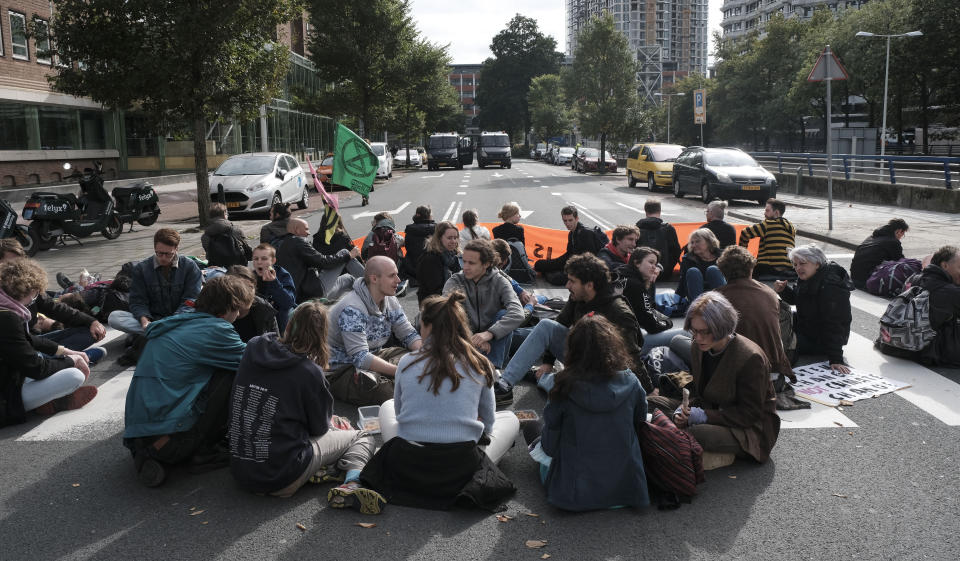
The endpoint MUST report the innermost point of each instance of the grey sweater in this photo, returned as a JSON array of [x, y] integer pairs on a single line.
[[485, 298]]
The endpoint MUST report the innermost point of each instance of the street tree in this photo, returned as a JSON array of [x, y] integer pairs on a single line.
[[602, 80], [521, 52], [181, 63], [354, 47], [549, 115]]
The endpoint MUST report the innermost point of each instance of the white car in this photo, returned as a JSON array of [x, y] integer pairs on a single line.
[[255, 182], [564, 156], [385, 169], [400, 160]]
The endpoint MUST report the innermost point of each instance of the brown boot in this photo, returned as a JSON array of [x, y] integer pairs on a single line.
[[82, 396]]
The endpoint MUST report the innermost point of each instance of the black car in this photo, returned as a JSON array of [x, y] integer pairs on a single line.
[[722, 173]]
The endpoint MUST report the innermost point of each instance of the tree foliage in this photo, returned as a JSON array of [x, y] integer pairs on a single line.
[[424, 96], [521, 52], [549, 115], [181, 62]]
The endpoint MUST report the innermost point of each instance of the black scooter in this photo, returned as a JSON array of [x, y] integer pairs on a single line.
[[9, 227], [57, 216], [137, 203]]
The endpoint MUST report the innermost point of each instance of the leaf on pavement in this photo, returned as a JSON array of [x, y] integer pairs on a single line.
[[839, 495], [838, 423], [301, 527], [732, 476], [535, 544], [532, 514], [504, 518], [365, 524], [196, 512], [545, 556], [76, 485]]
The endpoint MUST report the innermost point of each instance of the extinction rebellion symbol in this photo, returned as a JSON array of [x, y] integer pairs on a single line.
[[357, 158]]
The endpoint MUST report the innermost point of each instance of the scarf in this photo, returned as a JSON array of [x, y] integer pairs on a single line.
[[8, 303], [613, 250]]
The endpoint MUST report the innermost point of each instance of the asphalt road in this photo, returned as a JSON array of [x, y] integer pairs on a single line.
[[877, 480]]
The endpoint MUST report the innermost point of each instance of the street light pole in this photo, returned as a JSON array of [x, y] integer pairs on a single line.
[[668, 96]]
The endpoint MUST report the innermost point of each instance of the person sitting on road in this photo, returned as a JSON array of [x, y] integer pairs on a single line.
[[277, 227], [382, 220], [616, 254], [276, 450], [883, 245], [511, 229], [493, 309], [757, 304], [79, 330], [440, 260], [588, 450], [641, 275], [527, 299], [361, 324], [179, 398], [588, 281], [415, 242], [659, 235], [224, 243], [274, 283], [777, 235], [725, 232], [441, 430], [471, 230], [732, 411], [579, 240], [31, 378], [163, 285], [698, 269], [941, 278], [260, 317], [822, 298], [314, 274]]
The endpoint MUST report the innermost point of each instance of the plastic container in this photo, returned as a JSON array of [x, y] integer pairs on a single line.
[[369, 419]]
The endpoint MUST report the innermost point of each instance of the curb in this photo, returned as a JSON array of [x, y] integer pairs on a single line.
[[802, 232]]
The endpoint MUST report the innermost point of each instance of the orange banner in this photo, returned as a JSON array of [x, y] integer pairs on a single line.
[[548, 243]]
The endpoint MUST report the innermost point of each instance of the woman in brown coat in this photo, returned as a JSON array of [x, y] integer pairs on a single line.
[[735, 407]]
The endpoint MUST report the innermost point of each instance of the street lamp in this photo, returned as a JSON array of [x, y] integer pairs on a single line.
[[886, 78], [668, 96]]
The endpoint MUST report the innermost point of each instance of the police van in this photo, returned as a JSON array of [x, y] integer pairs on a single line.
[[448, 149], [493, 148]]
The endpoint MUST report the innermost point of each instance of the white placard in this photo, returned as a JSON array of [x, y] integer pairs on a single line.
[[817, 382]]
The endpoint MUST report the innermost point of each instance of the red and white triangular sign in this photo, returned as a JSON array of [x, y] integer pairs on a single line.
[[827, 67]]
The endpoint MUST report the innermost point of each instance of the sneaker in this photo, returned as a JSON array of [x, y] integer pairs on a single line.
[[531, 429], [80, 397], [327, 474], [150, 472], [503, 393], [64, 281], [95, 354], [353, 495], [402, 289]]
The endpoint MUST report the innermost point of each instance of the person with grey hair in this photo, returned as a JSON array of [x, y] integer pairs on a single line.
[[726, 234], [698, 269], [732, 412], [822, 297]]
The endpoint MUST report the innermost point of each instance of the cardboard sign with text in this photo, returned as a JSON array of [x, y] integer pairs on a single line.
[[817, 382]]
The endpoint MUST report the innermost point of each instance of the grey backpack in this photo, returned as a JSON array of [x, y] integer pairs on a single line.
[[906, 323]]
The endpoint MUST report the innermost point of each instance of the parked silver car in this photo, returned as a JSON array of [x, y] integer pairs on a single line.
[[257, 181], [400, 160]]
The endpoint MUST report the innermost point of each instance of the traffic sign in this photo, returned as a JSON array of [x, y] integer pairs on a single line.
[[699, 107], [828, 67]]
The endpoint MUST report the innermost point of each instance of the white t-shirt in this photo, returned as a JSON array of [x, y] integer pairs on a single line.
[[480, 231]]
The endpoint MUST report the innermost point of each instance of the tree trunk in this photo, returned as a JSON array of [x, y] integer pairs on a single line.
[[924, 111], [602, 166], [200, 169]]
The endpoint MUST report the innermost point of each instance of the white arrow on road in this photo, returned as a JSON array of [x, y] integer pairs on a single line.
[[525, 213], [376, 212], [496, 175]]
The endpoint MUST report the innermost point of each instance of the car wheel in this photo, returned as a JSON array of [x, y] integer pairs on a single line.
[[304, 200], [631, 181], [676, 189], [277, 199], [389, 175], [705, 195], [510, 165], [651, 183], [26, 239]]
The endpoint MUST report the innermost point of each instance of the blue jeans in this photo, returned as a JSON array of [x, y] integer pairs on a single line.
[[662, 339], [124, 321], [37, 392], [499, 347], [548, 335], [73, 338], [695, 281]]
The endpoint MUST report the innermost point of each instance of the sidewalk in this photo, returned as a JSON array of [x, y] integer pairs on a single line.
[[853, 222]]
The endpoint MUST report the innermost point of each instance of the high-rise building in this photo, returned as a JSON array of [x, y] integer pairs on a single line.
[[465, 78], [668, 37], [742, 16]]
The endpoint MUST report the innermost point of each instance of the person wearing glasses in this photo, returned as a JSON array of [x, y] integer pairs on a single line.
[[163, 285]]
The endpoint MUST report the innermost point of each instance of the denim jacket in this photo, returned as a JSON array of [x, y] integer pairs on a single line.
[[154, 297]]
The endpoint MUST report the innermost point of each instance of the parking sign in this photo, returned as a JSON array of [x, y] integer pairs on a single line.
[[699, 107]]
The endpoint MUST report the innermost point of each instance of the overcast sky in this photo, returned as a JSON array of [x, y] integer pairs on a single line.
[[468, 27]]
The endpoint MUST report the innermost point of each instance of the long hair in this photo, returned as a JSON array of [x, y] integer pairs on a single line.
[[449, 343], [595, 353], [638, 255], [306, 332], [470, 221], [435, 243]]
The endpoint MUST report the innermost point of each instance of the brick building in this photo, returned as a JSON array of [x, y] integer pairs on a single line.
[[465, 78]]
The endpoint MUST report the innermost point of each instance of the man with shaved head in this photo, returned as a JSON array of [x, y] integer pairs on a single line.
[[314, 274], [361, 369]]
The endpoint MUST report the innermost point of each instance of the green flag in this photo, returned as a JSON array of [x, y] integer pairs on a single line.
[[354, 163]]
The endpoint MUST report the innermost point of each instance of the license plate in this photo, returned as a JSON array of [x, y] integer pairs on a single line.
[[234, 204], [752, 187]]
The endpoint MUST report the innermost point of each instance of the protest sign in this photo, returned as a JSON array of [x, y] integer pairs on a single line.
[[817, 382]]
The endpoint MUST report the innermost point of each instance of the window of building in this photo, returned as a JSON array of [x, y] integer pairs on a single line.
[[18, 35], [58, 128], [13, 126], [42, 41]]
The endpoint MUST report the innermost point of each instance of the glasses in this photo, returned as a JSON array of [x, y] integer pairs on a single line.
[[701, 333], [165, 253]]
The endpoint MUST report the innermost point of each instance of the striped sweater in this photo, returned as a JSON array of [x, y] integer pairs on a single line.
[[776, 238]]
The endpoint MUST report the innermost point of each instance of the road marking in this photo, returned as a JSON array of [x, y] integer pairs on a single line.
[[556, 194], [431, 176], [461, 192], [497, 175], [376, 212], [449, 210], [524, 214], [839, 255], [817, 417], [536, 181], [456, 213], [463, 185], [628, 207], [873, 305], [583, 211]]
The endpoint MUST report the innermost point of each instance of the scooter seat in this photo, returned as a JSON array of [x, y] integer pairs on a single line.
[[136, 188], [47, 195]]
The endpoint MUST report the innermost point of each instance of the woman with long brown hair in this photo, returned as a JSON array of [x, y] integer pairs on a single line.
[[440, 260], [442, 412]]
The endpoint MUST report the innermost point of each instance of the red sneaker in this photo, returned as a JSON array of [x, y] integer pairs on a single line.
[[82, 396]]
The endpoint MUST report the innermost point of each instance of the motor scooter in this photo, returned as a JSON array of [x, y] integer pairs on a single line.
[[56, 216], [9, 227], [137, 203]]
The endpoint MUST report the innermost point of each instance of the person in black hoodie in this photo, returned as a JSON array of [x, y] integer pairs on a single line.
[[882, 245], [659, 235], [298, 257], [941, 278], [822, 297], [280, 419], [579, 240], [415, 242], [277, 227], [440, 259], [223, 242], [511, 228], [260, 317], [726, 234], [641, 276]]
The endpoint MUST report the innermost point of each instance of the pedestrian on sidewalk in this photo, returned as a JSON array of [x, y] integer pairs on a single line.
[[777, 236]]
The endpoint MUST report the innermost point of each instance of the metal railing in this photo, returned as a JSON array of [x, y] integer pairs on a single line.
[[910, 170]]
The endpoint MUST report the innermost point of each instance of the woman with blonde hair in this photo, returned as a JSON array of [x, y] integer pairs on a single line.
[[698, 268], [440, 260], [511, 228], [441, 417]]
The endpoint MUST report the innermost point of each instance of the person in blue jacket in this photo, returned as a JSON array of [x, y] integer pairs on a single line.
[[177, 404], [274, 283], [588, 444]]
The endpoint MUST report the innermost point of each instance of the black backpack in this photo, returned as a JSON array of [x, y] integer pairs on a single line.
[[601, 237], [656, 239], [520, 269], [225, 250]]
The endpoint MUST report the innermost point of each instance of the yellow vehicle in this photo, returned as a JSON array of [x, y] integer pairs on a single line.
[[652, 162]]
